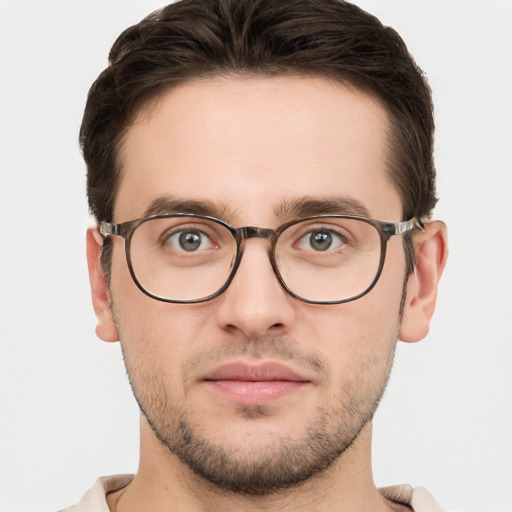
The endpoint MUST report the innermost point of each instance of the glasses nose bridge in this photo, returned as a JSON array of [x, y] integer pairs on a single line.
[[255, 232], [244, 233]]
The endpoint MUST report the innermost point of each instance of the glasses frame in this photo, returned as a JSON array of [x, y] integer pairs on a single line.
[[386, 230]]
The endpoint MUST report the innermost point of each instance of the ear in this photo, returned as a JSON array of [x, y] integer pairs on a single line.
[[431, 246], [106, 328]]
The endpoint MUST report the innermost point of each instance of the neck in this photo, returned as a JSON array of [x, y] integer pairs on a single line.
[[163, 482]]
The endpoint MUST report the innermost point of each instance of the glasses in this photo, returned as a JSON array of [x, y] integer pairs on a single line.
[[323, 259]]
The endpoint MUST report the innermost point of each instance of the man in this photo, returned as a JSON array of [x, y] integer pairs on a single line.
[[262, 176]]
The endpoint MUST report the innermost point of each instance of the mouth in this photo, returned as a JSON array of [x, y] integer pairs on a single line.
[[255, 384]]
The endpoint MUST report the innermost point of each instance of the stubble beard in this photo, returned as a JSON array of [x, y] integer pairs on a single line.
[[283, 462]]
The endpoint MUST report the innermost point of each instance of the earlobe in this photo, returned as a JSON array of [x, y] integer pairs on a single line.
[[105, 329], [431, 248]]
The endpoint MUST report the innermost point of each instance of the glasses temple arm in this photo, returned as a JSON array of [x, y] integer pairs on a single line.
[[408, 225]]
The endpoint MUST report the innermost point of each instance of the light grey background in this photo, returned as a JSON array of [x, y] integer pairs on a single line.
[[66, 412]]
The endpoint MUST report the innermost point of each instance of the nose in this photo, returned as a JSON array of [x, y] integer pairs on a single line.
[[255, 304]]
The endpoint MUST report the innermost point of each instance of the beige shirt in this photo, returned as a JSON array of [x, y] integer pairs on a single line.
[[94, 499]]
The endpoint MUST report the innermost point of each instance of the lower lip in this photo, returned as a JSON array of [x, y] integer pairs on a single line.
[[255, 392]]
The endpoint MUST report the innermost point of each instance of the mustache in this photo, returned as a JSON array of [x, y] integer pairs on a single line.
[[268, 347]]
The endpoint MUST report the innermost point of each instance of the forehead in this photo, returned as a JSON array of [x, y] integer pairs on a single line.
[[251, 144]]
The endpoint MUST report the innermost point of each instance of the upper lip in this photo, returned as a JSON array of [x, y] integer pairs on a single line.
[[250, 372]]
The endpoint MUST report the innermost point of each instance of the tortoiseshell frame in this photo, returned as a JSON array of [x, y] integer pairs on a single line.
[[386, 230]]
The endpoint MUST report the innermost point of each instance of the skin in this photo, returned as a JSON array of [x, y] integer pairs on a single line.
[[248, 146]]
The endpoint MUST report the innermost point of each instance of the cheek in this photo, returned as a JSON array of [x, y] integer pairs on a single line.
[[156, 341], [359, 330], [159, 335], [161, 327], [141, 317], [367, 320]]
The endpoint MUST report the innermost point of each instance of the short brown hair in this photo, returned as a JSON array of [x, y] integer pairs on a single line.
[[200, 38]]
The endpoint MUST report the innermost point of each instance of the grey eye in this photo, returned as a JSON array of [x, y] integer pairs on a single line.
[[320, 240], [189, 241]]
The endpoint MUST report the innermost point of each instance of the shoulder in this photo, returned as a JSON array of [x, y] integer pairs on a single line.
[[417, 498], [94, 500]]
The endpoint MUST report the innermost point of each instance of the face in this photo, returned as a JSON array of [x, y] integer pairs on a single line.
[[255, 390]]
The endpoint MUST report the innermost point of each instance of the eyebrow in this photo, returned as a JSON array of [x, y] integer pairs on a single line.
[[169, 204], [335, 205], [289, 209]]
